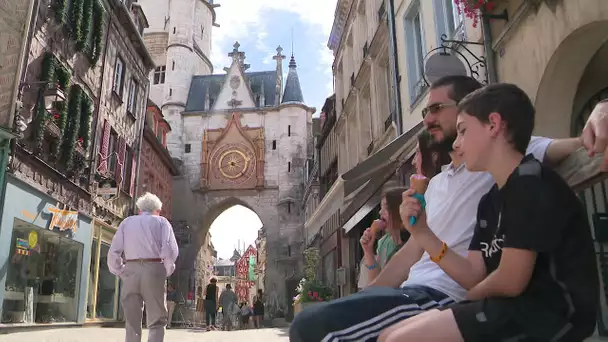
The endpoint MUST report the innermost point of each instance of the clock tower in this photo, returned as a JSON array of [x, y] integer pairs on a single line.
[[233, 157]]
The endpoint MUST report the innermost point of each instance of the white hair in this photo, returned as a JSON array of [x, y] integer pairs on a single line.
[[149, 203]]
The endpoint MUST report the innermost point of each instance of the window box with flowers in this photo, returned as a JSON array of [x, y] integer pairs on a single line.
[[310, 291], [472, 9]]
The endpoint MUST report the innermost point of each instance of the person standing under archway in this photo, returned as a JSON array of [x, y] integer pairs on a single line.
[[211, 303]]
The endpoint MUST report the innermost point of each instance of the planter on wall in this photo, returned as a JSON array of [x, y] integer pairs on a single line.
[[301, 306]]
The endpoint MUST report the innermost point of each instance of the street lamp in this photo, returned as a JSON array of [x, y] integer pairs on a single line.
[[48, 92]]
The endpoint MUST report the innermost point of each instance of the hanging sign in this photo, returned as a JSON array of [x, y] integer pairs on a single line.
[[63, 219], [22, 247]]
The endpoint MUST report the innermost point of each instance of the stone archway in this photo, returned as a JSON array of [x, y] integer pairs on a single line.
[[559, 86]]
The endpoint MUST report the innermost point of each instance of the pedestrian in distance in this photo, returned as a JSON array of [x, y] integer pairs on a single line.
[[211, 303]]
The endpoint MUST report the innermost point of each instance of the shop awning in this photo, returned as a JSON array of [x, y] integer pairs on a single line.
[[364, 176]]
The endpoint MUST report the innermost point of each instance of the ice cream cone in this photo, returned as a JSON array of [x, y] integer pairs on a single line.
[[419, 183], [377, 226]]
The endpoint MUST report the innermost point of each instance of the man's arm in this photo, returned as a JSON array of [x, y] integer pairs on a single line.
[[169, 250], [560, 149], [595, 133], [397, 270], [115, 261]]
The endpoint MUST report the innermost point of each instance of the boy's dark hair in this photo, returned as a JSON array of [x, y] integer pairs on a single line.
[[460, 86], [228, 286], [513, 105], [213, 281]]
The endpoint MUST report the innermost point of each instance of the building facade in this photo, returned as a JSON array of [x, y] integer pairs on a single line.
[[57, 225], [156, 170]]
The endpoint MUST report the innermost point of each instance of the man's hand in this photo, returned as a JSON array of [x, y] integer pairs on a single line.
[[411, 207], [367, 241], [595, 133]]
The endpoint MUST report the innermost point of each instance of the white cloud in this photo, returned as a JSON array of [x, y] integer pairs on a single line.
[[240, 18]]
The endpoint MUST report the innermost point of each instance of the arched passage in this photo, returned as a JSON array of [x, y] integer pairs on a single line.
[[562, 82]]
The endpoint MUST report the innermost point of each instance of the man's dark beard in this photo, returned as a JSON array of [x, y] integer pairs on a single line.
[[446, 145]]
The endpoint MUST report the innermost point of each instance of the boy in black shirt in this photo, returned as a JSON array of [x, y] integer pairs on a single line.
[[531, 268]]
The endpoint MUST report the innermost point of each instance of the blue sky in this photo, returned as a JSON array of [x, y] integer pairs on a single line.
[[262, 25]]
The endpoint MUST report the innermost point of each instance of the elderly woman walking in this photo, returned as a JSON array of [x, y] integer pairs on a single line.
[[143, 254]]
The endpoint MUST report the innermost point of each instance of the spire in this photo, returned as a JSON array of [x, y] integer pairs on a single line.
[[293, 91], [279, 85]]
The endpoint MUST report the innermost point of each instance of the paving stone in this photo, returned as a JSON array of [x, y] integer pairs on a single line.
[[173, 335]]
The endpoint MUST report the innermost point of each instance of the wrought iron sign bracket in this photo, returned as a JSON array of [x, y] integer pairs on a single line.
[[475, 64]]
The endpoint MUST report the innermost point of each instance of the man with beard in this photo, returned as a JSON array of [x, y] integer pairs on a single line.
[[411, 282]]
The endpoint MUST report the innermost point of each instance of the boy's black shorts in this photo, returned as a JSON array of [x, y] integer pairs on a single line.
[[514, 319]]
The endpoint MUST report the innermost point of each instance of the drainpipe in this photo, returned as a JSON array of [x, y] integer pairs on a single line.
[[93, 167], [487, 45], [394, 65]]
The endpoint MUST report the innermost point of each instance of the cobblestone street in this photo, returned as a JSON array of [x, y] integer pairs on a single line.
[[173, 335]]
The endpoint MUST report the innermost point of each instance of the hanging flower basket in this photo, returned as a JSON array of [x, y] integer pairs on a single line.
[[472, 8], [79, 146]]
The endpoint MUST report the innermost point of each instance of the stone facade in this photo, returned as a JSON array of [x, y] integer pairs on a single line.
[[179, 39], [156, 168], [240, 120], [72, 182], [121, 114]]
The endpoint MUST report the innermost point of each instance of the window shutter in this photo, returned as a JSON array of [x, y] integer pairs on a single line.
[[133, 175], [103, 151], [122, 147]]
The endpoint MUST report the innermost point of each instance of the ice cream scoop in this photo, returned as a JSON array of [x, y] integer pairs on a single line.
[[419, 183], [377, 226]]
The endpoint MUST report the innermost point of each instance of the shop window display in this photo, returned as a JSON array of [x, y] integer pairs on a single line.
[[43, 276], [106, 286]]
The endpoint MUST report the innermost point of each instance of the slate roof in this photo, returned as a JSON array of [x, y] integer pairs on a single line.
[[212, 84], [293, 91]]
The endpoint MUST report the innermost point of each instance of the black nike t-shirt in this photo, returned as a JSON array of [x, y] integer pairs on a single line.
[[536, 210]]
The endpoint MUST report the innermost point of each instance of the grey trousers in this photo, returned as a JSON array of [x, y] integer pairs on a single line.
[[144, 282]]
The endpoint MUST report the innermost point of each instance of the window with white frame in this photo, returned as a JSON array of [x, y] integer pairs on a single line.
[[132, 100], [447, 18], [119, 74], [415, 45]]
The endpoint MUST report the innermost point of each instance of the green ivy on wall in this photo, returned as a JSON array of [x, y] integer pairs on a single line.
[[84, 19], [86, 112], [53, 72], [73, 126], [78, 128]]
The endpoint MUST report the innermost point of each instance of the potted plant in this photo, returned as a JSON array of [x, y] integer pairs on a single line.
[[310, 291], [472, 8]]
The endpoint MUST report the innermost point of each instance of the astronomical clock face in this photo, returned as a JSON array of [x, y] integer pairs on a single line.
[[233, 164]]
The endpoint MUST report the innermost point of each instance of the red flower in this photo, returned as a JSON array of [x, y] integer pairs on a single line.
[[315, 294]]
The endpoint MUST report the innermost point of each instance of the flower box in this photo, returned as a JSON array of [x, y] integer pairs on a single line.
[[300, 306], [53, 129]]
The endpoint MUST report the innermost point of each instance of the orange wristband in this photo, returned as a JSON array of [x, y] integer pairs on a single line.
[[438, 258]]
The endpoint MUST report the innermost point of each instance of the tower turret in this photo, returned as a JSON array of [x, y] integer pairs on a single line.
[[293, 91]]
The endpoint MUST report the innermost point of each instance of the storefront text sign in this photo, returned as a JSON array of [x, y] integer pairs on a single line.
[[63, 219]]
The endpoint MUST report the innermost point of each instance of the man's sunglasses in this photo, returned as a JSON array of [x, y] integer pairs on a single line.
[[436, 108]]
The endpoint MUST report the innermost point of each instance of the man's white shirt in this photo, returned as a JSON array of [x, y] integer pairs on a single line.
[[452, 199]]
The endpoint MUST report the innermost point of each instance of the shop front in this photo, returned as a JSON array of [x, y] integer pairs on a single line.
[[44, 253], [103, 286]]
